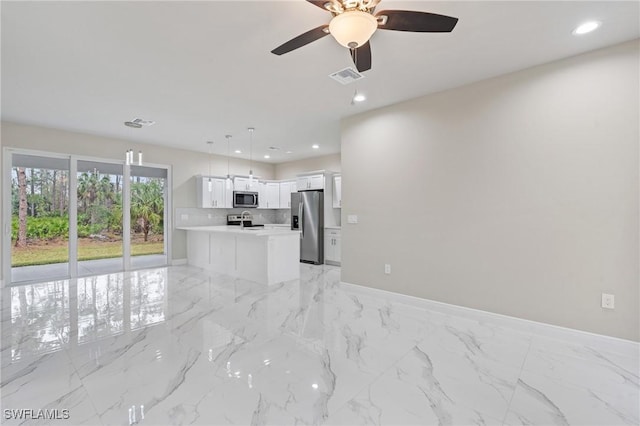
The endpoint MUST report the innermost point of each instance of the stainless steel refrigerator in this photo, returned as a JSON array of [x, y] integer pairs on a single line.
[[307, 215]]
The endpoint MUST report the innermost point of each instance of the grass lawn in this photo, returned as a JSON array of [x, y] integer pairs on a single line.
[[46, 252]]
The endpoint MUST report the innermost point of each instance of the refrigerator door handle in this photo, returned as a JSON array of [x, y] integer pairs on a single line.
[[301, 216]]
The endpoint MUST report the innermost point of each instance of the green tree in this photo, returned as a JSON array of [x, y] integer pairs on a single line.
[[96, 195], [88, 192], [21, 240], [147, 205]]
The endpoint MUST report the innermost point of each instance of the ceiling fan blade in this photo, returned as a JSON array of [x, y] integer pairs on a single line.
[[362, 57], [319, 3], [419, 22], [301, 40]]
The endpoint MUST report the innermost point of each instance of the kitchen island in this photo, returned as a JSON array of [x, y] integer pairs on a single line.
[[267, 256]]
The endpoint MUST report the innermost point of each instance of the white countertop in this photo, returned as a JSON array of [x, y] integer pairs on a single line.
[[256, 231], [333, 227], [279, 225]]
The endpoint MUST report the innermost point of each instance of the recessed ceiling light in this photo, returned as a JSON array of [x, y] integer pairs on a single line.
[[267, 156], [289, 152], [237, 151], [315, 146], [586, 27], [359, 97]]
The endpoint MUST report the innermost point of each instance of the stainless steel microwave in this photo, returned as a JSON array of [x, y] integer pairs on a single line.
[[245, 199]]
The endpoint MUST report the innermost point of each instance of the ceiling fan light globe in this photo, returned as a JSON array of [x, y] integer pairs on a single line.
[[353, 28]]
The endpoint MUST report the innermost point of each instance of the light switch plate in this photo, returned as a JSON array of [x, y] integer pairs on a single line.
[[352, 218]]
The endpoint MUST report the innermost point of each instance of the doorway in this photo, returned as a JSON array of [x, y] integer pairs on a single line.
[[69, 216], [148, 212], [39, 203]]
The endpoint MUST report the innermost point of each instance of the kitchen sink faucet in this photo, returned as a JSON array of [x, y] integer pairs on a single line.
[[242, 218]]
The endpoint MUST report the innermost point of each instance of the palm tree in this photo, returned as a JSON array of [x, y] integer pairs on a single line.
[[95, 192], [106, 193], [147, 205], [88, 192]]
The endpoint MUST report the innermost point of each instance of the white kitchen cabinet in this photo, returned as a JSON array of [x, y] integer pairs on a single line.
[[262, 195], [337, 191], [268, 195], [217, 197], [266, 257], [332, 247], [310, 182], [286, 188], [273, 195], [245, 184]]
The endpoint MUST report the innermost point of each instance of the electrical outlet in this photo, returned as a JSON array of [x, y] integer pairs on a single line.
[[184, 216], [387, 268], [209, 216], [608, 301]]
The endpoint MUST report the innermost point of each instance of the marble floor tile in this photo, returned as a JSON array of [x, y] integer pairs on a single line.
[[396, 399], [601, 373], [44, 382], [542, 400], [452, 382], [179, 345]]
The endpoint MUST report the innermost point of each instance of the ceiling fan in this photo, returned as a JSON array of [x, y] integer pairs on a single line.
[[353, 23]]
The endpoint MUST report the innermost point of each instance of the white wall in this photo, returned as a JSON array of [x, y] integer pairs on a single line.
[[522, 191], [289, 170], [185, 164]]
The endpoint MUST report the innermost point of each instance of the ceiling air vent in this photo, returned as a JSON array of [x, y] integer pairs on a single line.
[[346, 76], [138, 123]]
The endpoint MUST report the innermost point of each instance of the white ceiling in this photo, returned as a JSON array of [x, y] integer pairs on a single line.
[[204, 69]]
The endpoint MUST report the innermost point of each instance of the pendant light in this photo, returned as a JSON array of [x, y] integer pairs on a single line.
[[228, 156], [129, 157], [135, 124], [251, 129], [210, 183]]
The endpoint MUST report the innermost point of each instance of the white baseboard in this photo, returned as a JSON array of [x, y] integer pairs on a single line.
[[178, 262], [605, 342]]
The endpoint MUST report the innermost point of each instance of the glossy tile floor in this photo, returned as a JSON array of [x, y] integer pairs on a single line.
[[38, 273], [179, 346]]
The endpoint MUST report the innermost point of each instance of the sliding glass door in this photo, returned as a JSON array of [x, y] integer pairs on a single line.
[[99, 218], [39, 202], [148, 216], [66, 216]]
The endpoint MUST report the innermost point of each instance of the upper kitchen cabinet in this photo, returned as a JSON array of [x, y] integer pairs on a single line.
[[308, 182], [262, 195], [272, 195], [212, 193], [337, 191], [286, 188], [245, 184], [268, 195]]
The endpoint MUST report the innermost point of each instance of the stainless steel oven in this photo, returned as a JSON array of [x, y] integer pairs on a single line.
[[245, 199]]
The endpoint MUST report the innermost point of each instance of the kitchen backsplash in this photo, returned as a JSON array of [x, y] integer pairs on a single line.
[[189, 216]]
